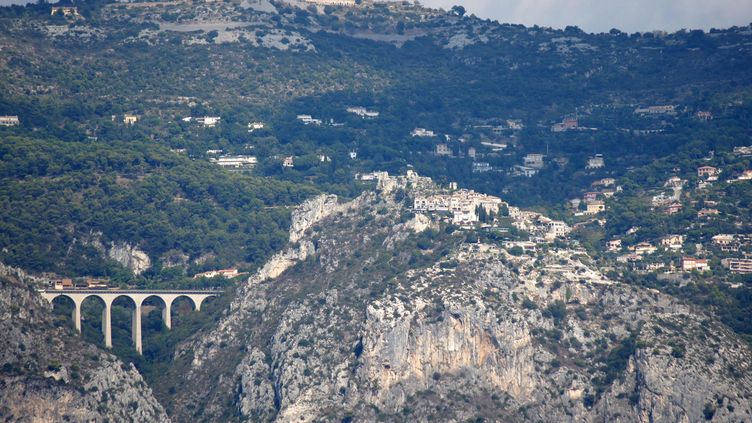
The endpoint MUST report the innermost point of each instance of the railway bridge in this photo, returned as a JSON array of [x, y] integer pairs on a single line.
[[108, 296]]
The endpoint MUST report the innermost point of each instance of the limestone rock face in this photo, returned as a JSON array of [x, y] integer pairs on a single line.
[[48, 374], [374, 314], [309, 213], [129, 256], [408, 352]]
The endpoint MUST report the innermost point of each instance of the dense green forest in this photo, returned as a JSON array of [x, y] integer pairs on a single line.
[[63, 199]]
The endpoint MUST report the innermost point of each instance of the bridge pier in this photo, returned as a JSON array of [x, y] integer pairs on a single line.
[[107, 324], [136, 327], [77, 315], [137, 296], [167, 316]]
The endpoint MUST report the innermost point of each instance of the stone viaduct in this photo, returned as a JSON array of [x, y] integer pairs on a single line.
[[108, 296]]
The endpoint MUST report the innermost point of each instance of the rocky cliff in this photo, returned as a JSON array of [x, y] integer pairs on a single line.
[[48, 374], [129, 256], [374, 314]]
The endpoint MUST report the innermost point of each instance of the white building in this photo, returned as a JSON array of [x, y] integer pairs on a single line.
[[596, 162], [556, 229], [309, 120], [422, 133], [9, 121], [225, 273], [656, 110], [494, 146], [236, 162], [525, 171], [209, 121], [253, 126], [363, 112]]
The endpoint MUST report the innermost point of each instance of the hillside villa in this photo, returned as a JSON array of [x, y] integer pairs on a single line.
[[9, 121], [690, 263]]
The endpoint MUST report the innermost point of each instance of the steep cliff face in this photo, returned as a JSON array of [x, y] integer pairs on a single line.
[[130, 257], [48, 374], [373, 314]]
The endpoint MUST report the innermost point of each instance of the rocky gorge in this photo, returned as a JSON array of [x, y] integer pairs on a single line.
[[49, 374], [375, 314]]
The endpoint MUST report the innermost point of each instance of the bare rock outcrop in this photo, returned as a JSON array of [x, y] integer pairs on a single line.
[[129, 256], [309, 213]]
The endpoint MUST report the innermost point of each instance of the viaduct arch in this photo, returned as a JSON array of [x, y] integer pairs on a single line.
[[108, 296]]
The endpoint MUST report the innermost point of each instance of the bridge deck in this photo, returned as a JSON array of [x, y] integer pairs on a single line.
[[132, 291]]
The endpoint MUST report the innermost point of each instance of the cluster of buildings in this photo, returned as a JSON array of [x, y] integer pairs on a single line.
[[465, 206], [733, 251], [224, 273], [67, 11], [469, 208], [541, 228], [726, 243], [592, 202], [743, 151], [534, 162], [86, 282]]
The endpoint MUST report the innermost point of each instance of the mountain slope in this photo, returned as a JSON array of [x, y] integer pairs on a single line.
[[49, 374], [357, 320]]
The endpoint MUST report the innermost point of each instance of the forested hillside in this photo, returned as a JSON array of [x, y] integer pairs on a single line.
[[64, 201]]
